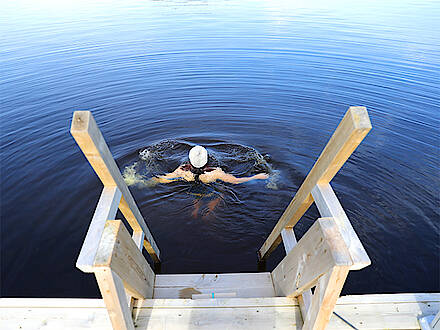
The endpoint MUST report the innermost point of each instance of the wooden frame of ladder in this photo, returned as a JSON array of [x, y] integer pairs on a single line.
[[121, 270], [298, 271], [321, 259]]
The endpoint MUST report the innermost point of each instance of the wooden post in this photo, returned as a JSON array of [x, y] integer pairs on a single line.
[[89, 138], [305, 298], [353, 128], [118, 251], [320, 258], [112, 291], [324, 300], [317, 252]]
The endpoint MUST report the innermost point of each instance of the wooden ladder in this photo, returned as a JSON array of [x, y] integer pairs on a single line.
[[321, 259]]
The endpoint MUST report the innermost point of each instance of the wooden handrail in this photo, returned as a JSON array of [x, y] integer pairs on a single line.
[[89, 138], [353, 128]]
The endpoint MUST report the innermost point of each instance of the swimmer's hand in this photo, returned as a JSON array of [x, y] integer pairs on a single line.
[[151, 182], [261, 176]]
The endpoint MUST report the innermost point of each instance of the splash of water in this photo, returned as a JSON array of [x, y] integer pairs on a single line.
[[165, 156]]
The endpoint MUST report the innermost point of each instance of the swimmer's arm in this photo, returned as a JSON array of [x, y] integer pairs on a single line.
[[226, 177], [169, 177]]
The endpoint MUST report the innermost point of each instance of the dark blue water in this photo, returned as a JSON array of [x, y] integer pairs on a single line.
[[275, 76]]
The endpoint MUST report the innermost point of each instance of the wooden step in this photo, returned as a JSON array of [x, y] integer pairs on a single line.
[[241, 285]]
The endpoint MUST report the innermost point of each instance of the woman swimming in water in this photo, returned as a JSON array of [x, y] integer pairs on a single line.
[[197, 170]]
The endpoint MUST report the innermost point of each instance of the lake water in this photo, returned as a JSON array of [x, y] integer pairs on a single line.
[[262, 84]]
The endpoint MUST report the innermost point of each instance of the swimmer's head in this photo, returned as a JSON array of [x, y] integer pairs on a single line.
[[198, 156]]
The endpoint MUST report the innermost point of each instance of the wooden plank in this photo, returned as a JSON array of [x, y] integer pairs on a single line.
[[329, 206], [138, 238], [118, 251], [393, 298], [188, 292], [326, 294], [87, 135], [256, 318], [354, 300], [106, 209], [378, 311], [381, 316], [289, 241], [245, 285], [55, 318], [318, 251], [214, 295], [353, 128], [220, 303], [225, 280], [112, 291]]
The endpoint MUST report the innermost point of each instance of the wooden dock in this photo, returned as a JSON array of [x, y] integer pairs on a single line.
[[134, 296], [383, 311]]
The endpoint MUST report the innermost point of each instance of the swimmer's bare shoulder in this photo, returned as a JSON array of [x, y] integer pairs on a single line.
[[212, 176], [219, 174]]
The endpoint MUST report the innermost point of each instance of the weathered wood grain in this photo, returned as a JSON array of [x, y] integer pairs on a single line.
[[89, 138], [289, 241], [329, 206], [105, 210], [368, 312], [318, 251], [112, 291], [118, 252], [244, 285], [348, 135]]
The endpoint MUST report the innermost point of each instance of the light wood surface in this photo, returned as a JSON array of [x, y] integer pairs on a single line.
[[353, 128], [289, 241], [87, 135], [318, 251], [367, 312], [244, 285], [112, 291], [329, 206], [324, 299], [118, 252], [105, 210], [214, 295]]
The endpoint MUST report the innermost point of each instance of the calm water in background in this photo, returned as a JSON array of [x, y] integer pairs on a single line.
[[273, 75]]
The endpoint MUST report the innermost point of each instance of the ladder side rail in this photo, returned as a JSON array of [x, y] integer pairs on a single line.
[[89, 138], [348, 135]]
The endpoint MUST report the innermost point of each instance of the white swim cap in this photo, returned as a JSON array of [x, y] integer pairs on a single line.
[[198, 156]]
